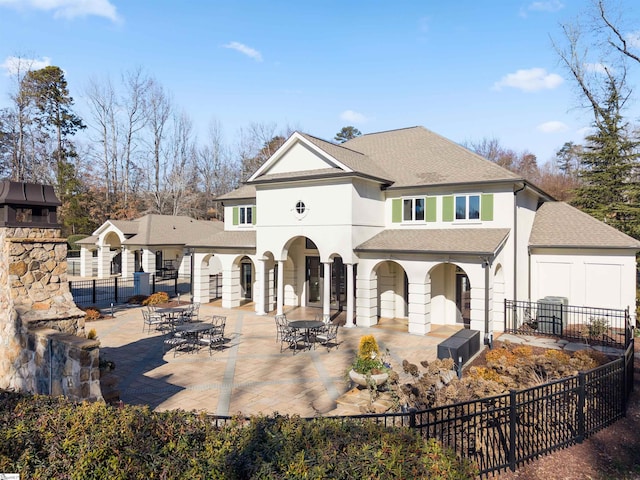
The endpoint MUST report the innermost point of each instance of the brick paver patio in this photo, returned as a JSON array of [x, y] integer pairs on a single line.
[[249, 375]]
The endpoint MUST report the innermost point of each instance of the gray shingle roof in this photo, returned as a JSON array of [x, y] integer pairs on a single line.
[[171, 230], [128, 227], [244, 192], [558, 224], [90, 240], [480, 241], [239, 239], [416, 156]]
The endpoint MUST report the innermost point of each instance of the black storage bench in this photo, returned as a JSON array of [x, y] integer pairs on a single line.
[[464, 343]]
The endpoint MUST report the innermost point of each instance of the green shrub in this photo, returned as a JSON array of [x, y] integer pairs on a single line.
[[46, 437]]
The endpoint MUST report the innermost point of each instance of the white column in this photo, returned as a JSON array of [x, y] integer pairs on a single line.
[[231, 286], [350, 296], [366, 301], [259, 290], [326, 289], [200, 278], [128, 262], [104, 261], [86, 262], [419, 308], [279, 309]]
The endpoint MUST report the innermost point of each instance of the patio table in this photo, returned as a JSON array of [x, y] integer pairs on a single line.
[[307, 326], [172, 313], [192, 331]]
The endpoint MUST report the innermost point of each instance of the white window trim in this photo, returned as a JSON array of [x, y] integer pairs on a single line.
[[467, 219], [245, 208], [413, 209]]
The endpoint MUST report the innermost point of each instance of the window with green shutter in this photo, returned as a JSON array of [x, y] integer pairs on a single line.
[[396, 210], [236, 215], [447, 208], [487, 207], [432, 214], [253, 215]]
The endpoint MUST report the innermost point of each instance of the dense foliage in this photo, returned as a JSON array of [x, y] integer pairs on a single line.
[[46, 437]]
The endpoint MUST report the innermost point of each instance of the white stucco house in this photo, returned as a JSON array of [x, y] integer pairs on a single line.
[[152, 244], [407, 224]]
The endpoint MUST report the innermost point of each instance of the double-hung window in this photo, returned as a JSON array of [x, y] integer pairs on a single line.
[[413, 209], [246, 216], [467, 207]]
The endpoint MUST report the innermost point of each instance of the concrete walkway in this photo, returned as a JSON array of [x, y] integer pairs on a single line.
[[250, 375]]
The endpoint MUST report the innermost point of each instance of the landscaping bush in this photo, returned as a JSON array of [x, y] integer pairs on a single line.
[[46, 437], [156, 298], [92, 314]]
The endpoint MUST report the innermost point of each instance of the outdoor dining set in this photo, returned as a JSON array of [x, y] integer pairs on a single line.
[[306, 333], [184, 331]]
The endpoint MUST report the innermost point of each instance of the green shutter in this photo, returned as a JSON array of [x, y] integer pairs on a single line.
[[447, 208], [431, 209], [253, 214], [396, 210], [486, 207], [236, 215]]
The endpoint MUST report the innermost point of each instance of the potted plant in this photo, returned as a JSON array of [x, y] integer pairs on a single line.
[[369, 367]]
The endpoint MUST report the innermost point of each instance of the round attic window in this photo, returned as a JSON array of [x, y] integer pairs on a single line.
[[300, 207]]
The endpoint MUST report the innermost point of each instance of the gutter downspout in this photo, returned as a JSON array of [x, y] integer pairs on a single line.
[[515, 241], [488, 336]]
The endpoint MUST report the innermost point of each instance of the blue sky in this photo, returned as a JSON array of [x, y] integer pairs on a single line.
[[465, 69]]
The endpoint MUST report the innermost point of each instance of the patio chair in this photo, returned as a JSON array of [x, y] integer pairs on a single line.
[[214, 337], [327, 335], [281, 320], [152, 319], [174, 341], [291, 337], [193, 312]]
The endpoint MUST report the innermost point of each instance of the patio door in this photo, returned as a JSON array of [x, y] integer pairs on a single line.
[[246, 280], [463, 298], [313, 281]]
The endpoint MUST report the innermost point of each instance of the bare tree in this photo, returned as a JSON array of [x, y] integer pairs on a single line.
[[103, 108], [158, 108], [136, 86]]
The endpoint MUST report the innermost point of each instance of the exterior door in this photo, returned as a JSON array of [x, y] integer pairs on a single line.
[[314, 281], [246, 280], [463, 298]]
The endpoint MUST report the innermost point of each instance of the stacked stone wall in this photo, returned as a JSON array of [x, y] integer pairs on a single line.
[[41, 329]]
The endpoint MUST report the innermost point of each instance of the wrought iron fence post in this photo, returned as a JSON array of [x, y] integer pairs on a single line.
[[513, 425], [115, 287], [175, 285], [93, 291], [582, 393], [153, 282], [412, 417]]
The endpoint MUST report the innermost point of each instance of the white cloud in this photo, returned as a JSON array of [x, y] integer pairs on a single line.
[[633, 39], [553, 126], [248, 51], [530, 80], [13, 65], [597, 67], [548, 6], [67, 8], [354, 117]]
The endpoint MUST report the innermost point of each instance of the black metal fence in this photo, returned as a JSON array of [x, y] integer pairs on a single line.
[[505, 431], [104, 291], [596, 326]]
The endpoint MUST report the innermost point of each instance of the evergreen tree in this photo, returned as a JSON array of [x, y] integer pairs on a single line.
[[610, 190], [347, 133]]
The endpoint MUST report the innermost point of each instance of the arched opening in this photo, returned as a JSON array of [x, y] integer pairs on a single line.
[[392, 290], [247, 278], [450, 295], [114, 248]]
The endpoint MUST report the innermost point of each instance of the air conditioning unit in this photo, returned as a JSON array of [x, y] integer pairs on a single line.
[[551, 315]]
